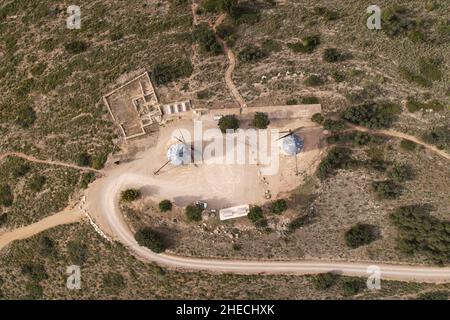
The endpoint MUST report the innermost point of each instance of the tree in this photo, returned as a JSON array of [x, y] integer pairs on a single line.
[[6, 195], [228, 122], [352, 287], [77, 252], [401, 173], [26, 117], [46, 246], [317, 118], [332, 55], [372, 115], [313, 81], [37, 183], [165, 205], [359, 235], [34, 271], [323, 281], [148, 238], [194, 212], [251, 54], [261, 120], [255, 214], [387, 189], [130, 195], [407, 145], [3, 219], [206, 39], [76, 47], [337, 158], [84, 159], [278, 206], [114, 281]]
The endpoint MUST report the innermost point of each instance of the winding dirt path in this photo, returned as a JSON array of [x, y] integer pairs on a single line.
[[49, 162], [66, 216], [231, 65], [396, 134]]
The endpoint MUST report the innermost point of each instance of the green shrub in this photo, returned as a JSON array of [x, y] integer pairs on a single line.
[[278, 206], [439, 136], [334, 125], [310, 100], [307, 45], [77, 252], [359, 235], [434, 295], [419, 233], [352, 287], [3, 219], [317, 118], [148, 238], [86, 179], [324, 281], [408, 145], [26, 117], [326, 13], [291, 102], [130, 195], [76, 47], [20, 170], [338, 76], [98, 162], [251, 54], [84, 159], [165, 205], [372, 115], [313, 81], [37, 183], [255, 214], [46, 247], [114, 281], [261, 120], [298, 223], [34, 271], [206, 39], [337, 158], [194, 212], [430, 69], [332, 55], [164, 73], [228, 122], [387, 189], [401, 173], [6, 195]]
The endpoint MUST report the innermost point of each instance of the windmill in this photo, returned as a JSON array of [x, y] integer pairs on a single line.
[[178, 154], [292, 144]]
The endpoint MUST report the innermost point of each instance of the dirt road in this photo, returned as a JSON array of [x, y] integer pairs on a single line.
[[396, 134], [49, 162], [64, 217], [231, 65]]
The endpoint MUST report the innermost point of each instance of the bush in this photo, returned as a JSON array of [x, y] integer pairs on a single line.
[[206, 39], [439, 136], [194, 212], [334, 125], [34, 271], [76, 47], [86, 179], [337, 158], [6, 195], [114, 281], [298, 223], [255, 214], [35, 290], [310, 100], [46, 247], [360, 235], [387, 189], [278, 206], [408, 145], [37, 183], [84, 159], [401, 173], [434, 295], [352, 287], [317, 118], [164, 73], [130, 195], [313, 81], [421, 233], [261, 120], [26, 117], [77, 252], [251, 54], [326, 13], [98, 162], [308, 44], [3, 219], [338, 76], [323, 281], [332, 55], [146, 237], [20, 170], [165, 205], [372, 115], [228, 122]]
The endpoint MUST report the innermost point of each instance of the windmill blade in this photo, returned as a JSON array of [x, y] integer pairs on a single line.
[[181, 133], [287, 135], [296, 165], [157, 171]]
